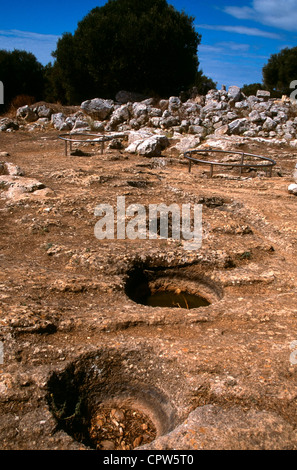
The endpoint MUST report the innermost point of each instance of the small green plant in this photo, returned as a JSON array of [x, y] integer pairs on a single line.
[[49, 245], [246, 255], [169, 134]]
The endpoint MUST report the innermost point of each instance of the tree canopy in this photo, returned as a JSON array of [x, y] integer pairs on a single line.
[[21, 74], [144, 46], [280, 71], [251, 89]]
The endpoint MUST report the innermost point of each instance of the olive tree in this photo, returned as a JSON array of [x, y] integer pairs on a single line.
[[281, 70], [145, 46], [21, 74]]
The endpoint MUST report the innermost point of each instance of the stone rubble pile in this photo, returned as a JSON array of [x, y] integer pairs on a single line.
[[219, 113]]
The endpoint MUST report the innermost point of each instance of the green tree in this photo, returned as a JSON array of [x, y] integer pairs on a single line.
[[280, 71], [204, 83], [144, 46], [252, 88], [21, 74]]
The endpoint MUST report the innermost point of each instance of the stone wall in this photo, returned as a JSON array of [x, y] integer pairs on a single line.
[[220, 112]]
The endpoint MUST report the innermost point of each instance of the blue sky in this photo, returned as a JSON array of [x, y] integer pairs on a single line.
[[237, 37]]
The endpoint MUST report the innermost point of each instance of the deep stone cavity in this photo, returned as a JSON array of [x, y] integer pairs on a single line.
[[174, 288], [98, 401]]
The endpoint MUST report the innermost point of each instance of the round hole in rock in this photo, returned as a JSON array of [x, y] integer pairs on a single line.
[[120, 426], [174, 288], [175, 300], [98, 401]]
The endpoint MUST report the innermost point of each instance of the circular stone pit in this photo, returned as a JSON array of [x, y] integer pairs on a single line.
[[101, 401], [184, 288]]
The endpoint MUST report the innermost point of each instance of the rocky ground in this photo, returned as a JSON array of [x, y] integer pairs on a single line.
[[83, 358]]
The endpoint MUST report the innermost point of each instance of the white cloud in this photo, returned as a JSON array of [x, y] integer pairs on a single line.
[[41, 45], [242, 13], [226, 50], [209, 49], [227, 47], [280, 14], [235, 46], [241, 30]]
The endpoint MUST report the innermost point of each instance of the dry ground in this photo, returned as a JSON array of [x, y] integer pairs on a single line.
[[216, 377]]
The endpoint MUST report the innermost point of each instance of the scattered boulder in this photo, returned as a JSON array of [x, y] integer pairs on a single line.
[[186, 143], [174, 104], [60, 122], [168, 120], [263, 94], [81, 124], [269, 124], [163, 104], [97, 126], [234, 94], [222, 130], [139, 110], [29, 184], [237, 126], [150, 147], [242, 105], [44, 112], [115, 144], [17, 186], [27, 114], [7, 124], [98, 108], [153, 146], [139, 135], [200, 131], [7, 168], [293, 189], [42, 121], [119, 115], [254, 116]]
